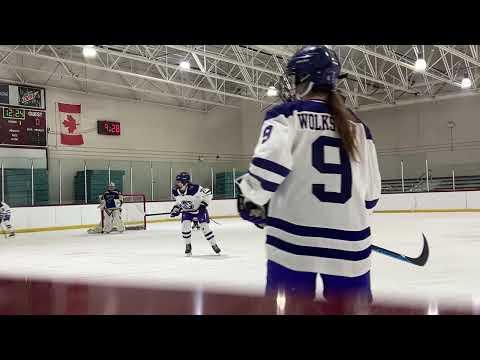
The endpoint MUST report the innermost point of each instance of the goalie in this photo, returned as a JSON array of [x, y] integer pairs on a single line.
[[111, 205]]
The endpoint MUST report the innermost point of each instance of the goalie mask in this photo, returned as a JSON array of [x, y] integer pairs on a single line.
[[111, 186]]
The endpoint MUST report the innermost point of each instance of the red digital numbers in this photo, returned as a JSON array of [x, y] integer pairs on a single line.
[[108, 127]]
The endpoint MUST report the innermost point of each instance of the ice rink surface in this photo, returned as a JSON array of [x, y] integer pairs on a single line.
[[155, 257]]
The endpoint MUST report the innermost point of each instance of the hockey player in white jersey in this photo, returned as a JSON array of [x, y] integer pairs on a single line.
[[191, 201], [5, 216], [111, 203], [312, 182]]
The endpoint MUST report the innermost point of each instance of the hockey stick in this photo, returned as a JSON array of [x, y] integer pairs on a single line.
[[419, 261], [155, 214], [215, 221]]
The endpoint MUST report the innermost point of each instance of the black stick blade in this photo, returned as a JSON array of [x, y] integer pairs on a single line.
[[423, 258], [419, 261]]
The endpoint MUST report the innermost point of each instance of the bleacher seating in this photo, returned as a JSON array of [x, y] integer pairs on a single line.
[[462, 183]]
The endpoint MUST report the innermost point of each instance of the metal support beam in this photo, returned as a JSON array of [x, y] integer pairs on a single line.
[[366, 77], [65, 67], [243, 70], [175, 67], [459, 54], [124, 87], [129, 73], [384, 75], [404, 64], [204, 71], [225, 59]]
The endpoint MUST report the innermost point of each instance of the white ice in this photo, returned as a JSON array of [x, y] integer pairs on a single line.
[[155, 257]]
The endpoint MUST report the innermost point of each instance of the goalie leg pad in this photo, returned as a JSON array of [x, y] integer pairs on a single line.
[[107, 221], [117, 220]]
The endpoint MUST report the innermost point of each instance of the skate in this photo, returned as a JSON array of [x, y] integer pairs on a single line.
[[12, 234], [216, 249], [188, 250]]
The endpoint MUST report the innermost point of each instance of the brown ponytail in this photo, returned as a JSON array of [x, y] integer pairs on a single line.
[[345, 129]]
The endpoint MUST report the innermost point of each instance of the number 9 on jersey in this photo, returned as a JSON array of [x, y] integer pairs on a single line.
[[343, 169]]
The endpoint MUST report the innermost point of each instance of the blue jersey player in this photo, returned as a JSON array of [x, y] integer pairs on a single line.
[[312, 183], [191, 201]]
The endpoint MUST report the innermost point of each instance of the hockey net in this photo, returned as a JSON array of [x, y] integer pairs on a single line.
[[134, 209], [133, 212]]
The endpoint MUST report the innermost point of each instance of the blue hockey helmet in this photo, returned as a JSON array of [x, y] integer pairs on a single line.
[[316, 66], [183, 177]]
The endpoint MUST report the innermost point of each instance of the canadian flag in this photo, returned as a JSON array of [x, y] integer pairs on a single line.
[[69, 116]]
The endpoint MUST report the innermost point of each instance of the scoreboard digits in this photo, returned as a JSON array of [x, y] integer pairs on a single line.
[[13, 113], [105, 127], [20, 126]]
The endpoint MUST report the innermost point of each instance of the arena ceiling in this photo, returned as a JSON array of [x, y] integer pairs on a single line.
[[223, 75]]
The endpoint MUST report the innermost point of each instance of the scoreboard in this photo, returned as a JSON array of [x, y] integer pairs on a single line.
[[23, 118], [21, 126]]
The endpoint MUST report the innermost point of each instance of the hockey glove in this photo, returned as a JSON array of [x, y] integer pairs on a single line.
[[176, 210], [252, 212], [203, 206]]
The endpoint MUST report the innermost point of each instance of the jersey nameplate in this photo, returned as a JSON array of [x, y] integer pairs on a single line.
[[314, 121]]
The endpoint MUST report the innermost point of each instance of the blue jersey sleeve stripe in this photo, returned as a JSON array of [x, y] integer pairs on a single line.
[[283, 109], [271, 166], [287, 109], [266, 185], [370, 204], [318, 251], [368, 134], [302, 230]]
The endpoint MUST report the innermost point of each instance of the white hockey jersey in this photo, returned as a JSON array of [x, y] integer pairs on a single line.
[[192, 198], [5, 211], [319, 198]]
